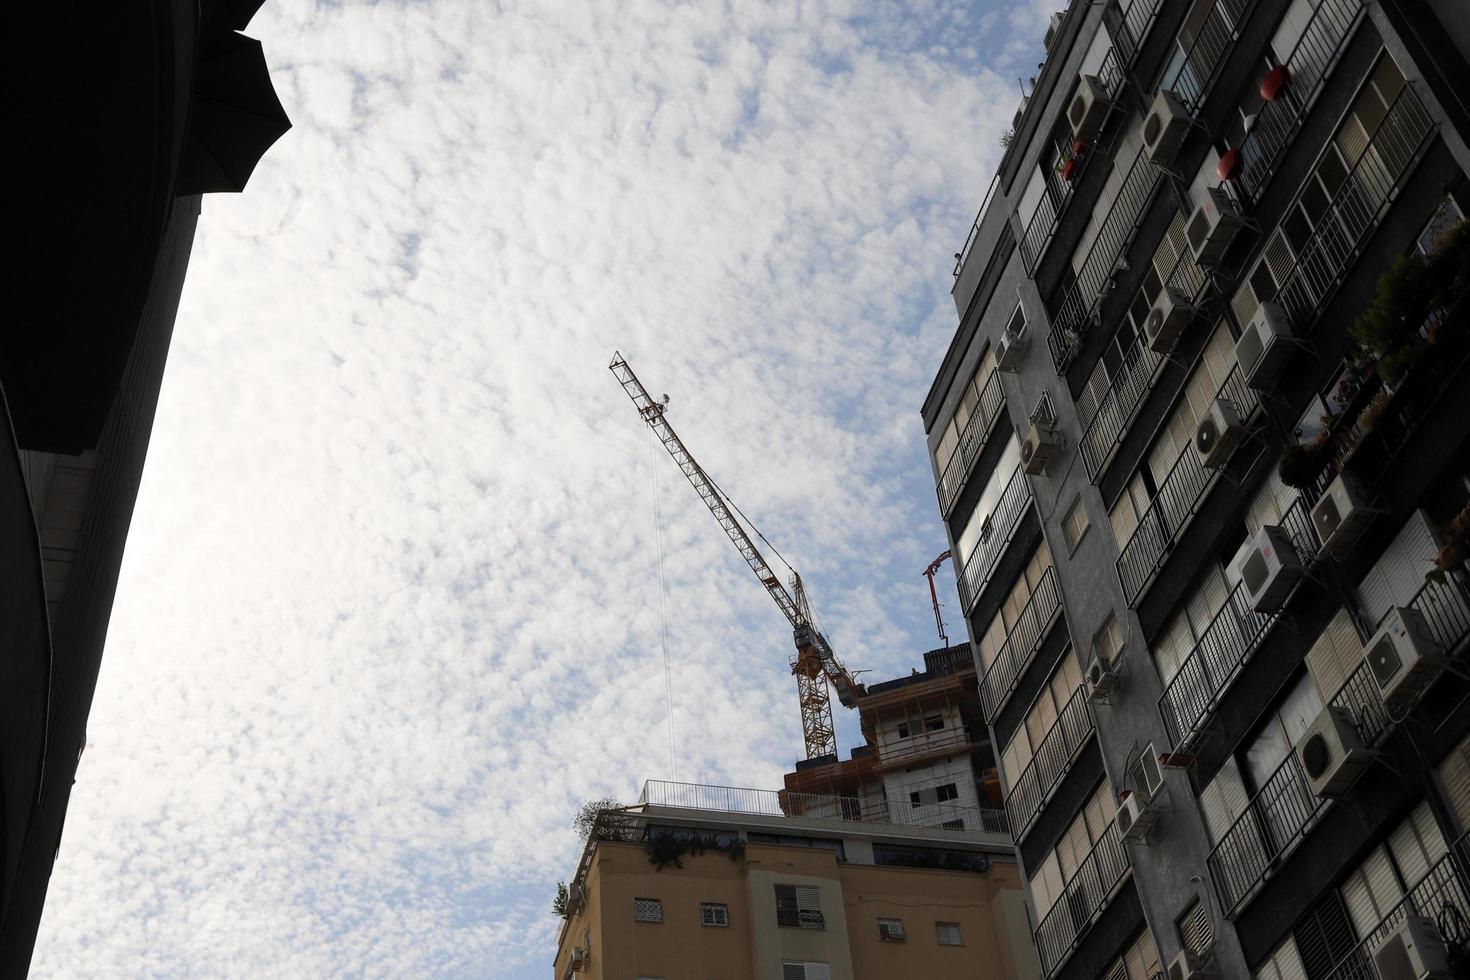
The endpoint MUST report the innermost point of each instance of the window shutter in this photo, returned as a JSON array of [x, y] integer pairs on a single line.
[[1398, 575], [1173, 645], [1335, 655], [1224, 800], [818, 971], [793, 971], [1371, 891], [1416, 844], [1454, 776], [1324, 936], [809, 898], [1285, 963]]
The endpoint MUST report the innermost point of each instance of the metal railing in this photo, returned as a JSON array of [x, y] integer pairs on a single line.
[[950, 740], [1192, 71], [1137, 20], [1021, 643], [1174, 506], [1442, 896], [1267, 830], [1042, 225], [1212, 664], [819, 806], [1000, 527], [963, 255], [1356, 207], [1051, 761], [1083, 898], [1070, 317], [1109, 423], [977, 433], [1277, 122]]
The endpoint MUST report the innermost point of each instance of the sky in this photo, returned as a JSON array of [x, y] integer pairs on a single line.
[[390, 607]]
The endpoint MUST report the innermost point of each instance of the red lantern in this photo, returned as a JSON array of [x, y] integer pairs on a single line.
[[1069, 168], [1229, 167], [1079, 146], [1275, 82]]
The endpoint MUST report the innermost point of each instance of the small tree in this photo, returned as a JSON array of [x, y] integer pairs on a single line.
[[559, 903], [603, 819]]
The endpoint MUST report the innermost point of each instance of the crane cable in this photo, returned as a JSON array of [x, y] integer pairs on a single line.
[[663, 591]]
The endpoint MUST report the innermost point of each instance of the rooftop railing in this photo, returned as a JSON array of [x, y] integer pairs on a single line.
[[963, 255], [996, 534], [1051, 761], [1083, 898], [819, 806], [1071, 316], [1021, 643], [1192, 696], [1130, 385], [978, 427], [1278, 122], [1174, 506]]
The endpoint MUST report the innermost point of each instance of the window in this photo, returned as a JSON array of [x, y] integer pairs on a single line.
[[714, 914], [1074, 525], [891, 930], [934, 794], [1140, 961], [1196, 933], [903, 729], [949, 933], [799, 907], [804, 970], [1107, 642], [648, 910], [1015, 604], [1040, 716], [934, 723], [969, 404], [1284, 963], [1005, 468]]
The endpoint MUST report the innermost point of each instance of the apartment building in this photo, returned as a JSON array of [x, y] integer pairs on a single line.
[[719, 882], [1201, 444]]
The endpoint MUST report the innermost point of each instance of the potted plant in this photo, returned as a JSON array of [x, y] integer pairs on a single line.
[[1373, 411], [1455, 550], [1299, 465]]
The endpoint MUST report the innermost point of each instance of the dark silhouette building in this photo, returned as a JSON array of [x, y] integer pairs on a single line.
[[133, 111]]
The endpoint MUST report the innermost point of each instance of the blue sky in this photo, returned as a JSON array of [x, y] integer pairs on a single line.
[[389, 610]]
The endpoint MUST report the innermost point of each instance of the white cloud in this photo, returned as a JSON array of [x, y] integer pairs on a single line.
[[389, 607]]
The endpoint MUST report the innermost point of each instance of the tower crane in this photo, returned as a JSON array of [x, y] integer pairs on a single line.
[[934, 567], [816, 667]]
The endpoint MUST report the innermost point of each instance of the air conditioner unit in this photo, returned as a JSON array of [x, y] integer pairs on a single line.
[[580, 956], [1165, 127], [1011, 349], [1102, 680], [1332, 754], [1089, 107], [1270, 569], [1167, 320], [1404, 657], [1413, 951], [1136, 816], [1186, 966], [1212, 227], [1263, 348], [891, 932], [1038, 448], [1218, 433], [1342, 515], [1054, 28]]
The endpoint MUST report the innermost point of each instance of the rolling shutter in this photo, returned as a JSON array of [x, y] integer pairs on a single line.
[[1324, 936], [1284, 963], [1371, 891], [1454, 776], [1335, 655], [1223, 800], [1398, 575], [1416, 844]]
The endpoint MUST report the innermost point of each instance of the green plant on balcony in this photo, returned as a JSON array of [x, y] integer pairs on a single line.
[[1411, 296], [1007, 138], [665, 848], [1452, 555], [1374, 410], [1300, 464]]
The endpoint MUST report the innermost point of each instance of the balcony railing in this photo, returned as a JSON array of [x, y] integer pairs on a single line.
[[998, 529], [1180, 494], [951, 741], [977, 432], [1134, 378], [818, 806], [1058, 192], [1052, 760], [1083, 899], [1442, 895], [1021, 644], [1212, 664], [1269, 828], [1278, 122], [1357, 206], [963, 255], [1192, 71], [1071, 316], [1138, 19], [1445, 607]]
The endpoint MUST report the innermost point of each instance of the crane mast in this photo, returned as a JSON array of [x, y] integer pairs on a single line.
[[816, 667]]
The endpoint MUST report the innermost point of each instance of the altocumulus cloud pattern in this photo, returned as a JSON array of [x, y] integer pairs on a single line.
[[389, 607]]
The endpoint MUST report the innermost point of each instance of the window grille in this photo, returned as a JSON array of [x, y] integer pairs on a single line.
[[648, 910], [799, 906], [891, 930], [949, 933], [714, 914]]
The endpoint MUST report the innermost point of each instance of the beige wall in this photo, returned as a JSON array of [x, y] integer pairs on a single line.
[[989, 909]]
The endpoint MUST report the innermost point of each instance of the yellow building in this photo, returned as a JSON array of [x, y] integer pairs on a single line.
[[783, 886]]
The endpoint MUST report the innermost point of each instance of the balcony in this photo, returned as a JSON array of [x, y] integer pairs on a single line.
[[1071, 316], [1357, 206], [1058, 193], [818, 806], [1284, 809], [972, 440], [1442, 895], [996, 534], [924, 745], [1022, 642], [1137, 20], [1086, 894], [1052, 760], [1192, 696], [1192, 72], [1180, 494], [1134, 379], [1278, 122]]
